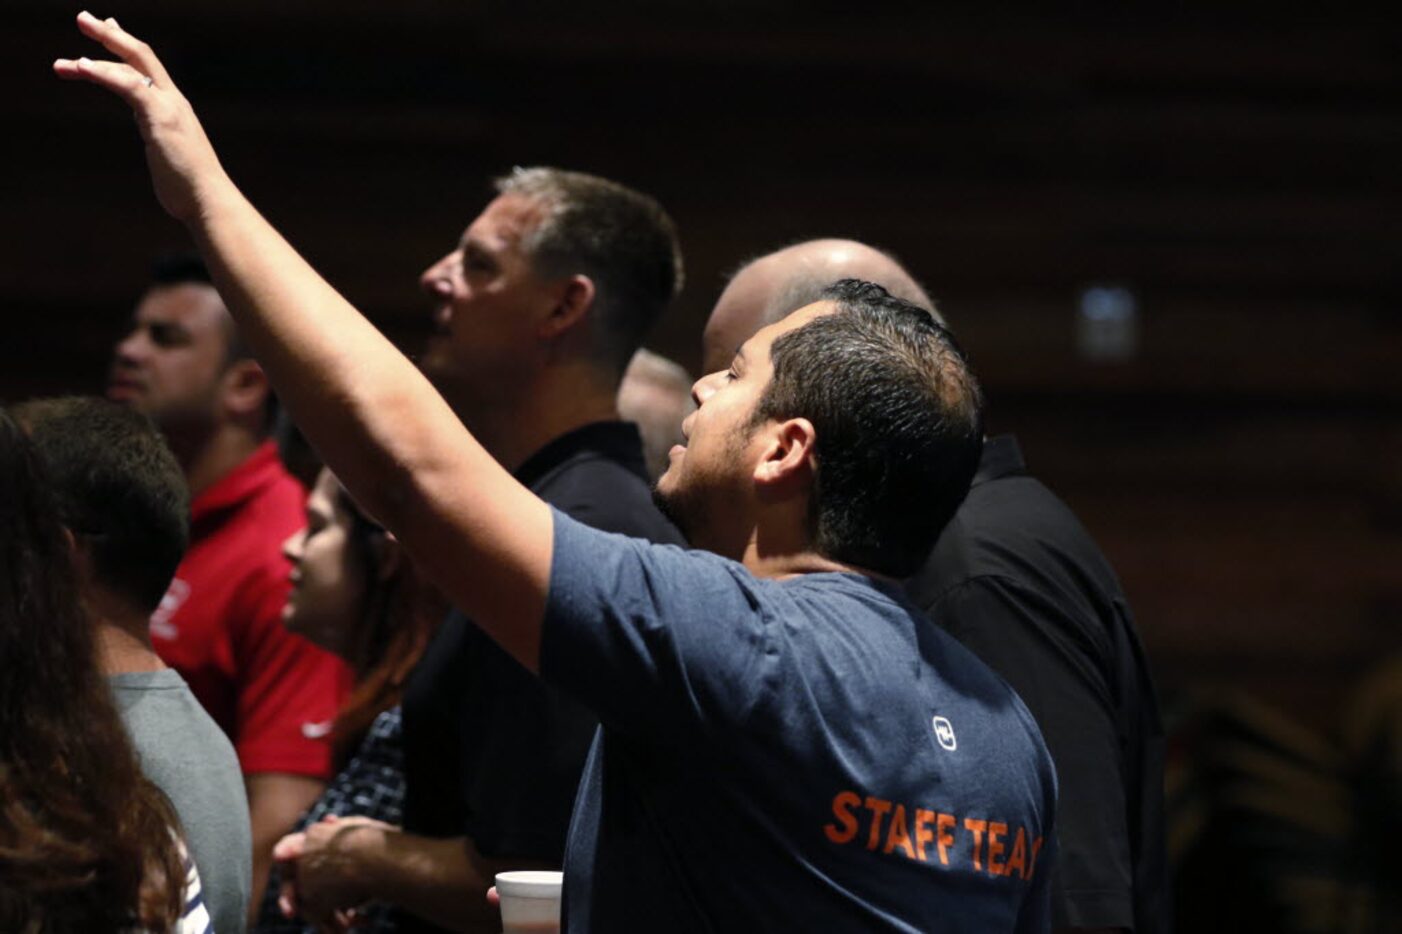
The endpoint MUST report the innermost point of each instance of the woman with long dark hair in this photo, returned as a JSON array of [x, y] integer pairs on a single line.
[[86, 842], [356, 594]]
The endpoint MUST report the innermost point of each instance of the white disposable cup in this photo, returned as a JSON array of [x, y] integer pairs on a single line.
[[530, 901]]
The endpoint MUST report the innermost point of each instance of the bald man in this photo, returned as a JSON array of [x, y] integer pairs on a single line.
[[768, 288], [1017, 579]]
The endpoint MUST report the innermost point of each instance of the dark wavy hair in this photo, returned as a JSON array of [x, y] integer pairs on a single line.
[[86, 842]]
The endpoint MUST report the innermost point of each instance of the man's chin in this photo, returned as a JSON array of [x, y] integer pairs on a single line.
[[432, 361], [124, 394], [671, 504]]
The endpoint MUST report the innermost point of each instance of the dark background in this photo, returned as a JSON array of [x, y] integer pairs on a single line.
[[1238, 171]]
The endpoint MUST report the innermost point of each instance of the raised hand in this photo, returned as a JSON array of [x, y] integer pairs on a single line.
[[184, 168]]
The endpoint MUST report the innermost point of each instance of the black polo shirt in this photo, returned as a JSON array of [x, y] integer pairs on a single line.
[[490, 751], [1018, 580]]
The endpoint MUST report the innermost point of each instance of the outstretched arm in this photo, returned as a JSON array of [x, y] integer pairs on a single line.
[[376, 420]]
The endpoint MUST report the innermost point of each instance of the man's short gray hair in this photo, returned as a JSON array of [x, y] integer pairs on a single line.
[[620, 238]]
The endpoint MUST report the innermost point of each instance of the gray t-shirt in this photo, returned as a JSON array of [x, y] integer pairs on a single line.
[[190, 759]]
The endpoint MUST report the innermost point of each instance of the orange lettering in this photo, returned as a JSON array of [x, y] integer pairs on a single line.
[[995, 847], [878, 808], [1036, 848], [942, 839], [898, 836], [923, 832], [976, 827], [844, 828], [1018, 859]]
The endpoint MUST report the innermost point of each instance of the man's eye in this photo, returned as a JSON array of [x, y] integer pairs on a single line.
[[167, 336]]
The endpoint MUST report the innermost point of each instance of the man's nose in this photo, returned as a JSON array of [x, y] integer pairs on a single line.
[[437, 279], [704, 388], [292, 547], [130, 348]]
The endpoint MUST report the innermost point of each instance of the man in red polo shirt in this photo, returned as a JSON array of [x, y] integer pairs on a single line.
[[220, 623]]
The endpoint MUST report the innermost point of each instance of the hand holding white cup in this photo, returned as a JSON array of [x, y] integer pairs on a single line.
[[530, 901]]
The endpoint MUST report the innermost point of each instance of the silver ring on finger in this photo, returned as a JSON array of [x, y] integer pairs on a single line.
[[149, 81]]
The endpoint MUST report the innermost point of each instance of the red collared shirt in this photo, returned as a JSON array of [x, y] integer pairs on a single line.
[[220, 624]]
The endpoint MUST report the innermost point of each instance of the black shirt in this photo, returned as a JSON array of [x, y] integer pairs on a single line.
[[490, 751], [1018, 580]]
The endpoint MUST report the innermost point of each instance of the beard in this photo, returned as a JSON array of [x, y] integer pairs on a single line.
[[677, 508], [699, 505]]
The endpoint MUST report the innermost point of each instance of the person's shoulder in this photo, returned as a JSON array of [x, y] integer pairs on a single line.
[[172, 704], [844, 613], [1023, 513], [141, 682], [279, 502], [1014, 532], [607, 495]]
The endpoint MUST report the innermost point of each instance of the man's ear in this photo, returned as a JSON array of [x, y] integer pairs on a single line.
[[786, 462], [574, 299], [245, 388]]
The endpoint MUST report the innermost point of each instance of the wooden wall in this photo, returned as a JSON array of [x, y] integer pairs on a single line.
[[1238, 172]]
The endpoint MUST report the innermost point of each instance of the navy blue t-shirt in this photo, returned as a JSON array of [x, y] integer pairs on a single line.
[[807, 754]]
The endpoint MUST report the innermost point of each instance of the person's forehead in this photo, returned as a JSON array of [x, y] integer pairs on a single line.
[[322, 498], [194, 305], [756, 349], [737, 315], [797, 319], [326, 483], [503, 223]]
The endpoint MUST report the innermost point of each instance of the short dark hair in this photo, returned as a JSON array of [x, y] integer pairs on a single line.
[[119, 488], [620, 238], [899, 424], [179, 267]]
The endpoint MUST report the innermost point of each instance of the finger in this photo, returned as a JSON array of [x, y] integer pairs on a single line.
[[124, 45], [492, 897], [120, 79], [287, 899], [290, 847]]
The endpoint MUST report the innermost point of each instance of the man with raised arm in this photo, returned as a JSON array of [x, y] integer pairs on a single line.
[[1017, 579], [537, 309], [785, 744]]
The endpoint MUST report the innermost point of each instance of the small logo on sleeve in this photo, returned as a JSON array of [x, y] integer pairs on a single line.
[[944, 732], [162, 627], [314, 730]]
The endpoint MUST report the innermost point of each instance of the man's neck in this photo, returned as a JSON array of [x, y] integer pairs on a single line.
[[123, 638], [779, 547], [226, 447], [558, 403], [779, 564]]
